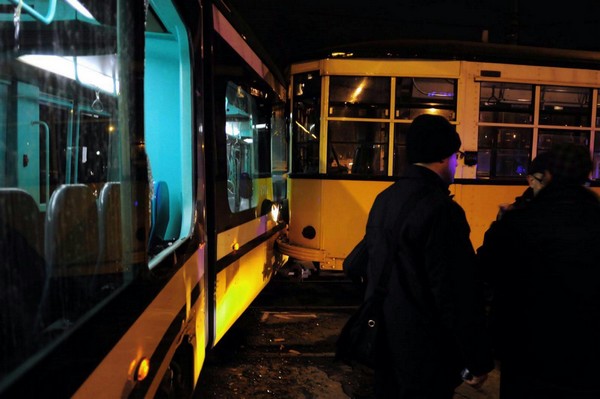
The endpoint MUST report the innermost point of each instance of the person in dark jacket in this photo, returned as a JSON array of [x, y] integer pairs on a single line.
[[543, 263], [434, 321], [535, 176]]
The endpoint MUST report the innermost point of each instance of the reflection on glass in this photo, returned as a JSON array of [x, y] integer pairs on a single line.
[[596, 158], [400, 157], [416, 96], [501, 102], [61, 243], [242, 141], [565, 106], [358, 148], [503, 152], [359, 97], [305, 127], [548, 138]]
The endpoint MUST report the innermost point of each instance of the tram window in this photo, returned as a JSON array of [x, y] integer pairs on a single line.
[[359, 97], [243, 137], [511, 163], [503, 152], [305, 129], [400, 158], [416, 96], [48, 114], [565, 106], [506, 103], [548, 138], [279, 153], [596, 170], [93, 149], [359, 148], [167, 122], [57, 118]]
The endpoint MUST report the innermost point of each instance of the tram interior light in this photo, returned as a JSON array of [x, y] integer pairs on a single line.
[[96, 71], [80, 8]]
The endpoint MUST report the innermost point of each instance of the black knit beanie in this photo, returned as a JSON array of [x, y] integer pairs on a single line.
[[431, 138]]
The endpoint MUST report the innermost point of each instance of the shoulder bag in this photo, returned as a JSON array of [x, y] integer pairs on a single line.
[[358, 338]]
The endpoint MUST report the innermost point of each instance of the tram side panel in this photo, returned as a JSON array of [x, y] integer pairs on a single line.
[[78, 165], [247, 116], [328, 217]]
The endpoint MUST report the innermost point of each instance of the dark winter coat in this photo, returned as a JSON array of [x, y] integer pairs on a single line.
[[434, 313], [544, 268]]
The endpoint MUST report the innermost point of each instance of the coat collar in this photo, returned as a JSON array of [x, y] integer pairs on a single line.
[[430, 177]]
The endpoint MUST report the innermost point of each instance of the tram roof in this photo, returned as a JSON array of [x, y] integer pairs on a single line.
[[464, 51]]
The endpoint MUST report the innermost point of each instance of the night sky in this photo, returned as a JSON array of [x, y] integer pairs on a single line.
[[292, 29]]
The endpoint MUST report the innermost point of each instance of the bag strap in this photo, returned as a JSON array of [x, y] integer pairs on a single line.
[[400, 219]]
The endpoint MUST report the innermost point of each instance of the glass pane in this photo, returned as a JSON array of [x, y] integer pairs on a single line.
[[596, 170], [503, 152], [506, 103], [359, 97], [400, 158], [242, 147], [511, 162], [547, 138], [305, 122], [53, 144], [416, 96], [279, 151], [62, 249], [358, 148], [565, 106], [484, 162]]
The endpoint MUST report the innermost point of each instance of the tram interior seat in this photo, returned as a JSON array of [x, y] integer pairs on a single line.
[[71, 248], [160, 213], [110, 234], [22, 273]]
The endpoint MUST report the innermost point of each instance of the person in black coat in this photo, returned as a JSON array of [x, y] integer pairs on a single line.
[[535, 175], [434, 321], [543, 263]]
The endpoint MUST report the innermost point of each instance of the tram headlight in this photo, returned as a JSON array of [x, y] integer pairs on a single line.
[[275, 212], [140, 369]]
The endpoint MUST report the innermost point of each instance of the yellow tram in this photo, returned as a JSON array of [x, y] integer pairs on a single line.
[[350, 112]]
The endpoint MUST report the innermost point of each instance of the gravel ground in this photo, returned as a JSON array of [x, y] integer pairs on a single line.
[[278, 352]]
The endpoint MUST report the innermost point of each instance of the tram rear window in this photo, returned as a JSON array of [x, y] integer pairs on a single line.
[[416, 96]]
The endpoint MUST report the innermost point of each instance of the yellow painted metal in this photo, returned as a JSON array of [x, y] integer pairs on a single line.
[[305, 210], [340, 216], [351, 66], [144, 336], [337, 210], [240, 282], [237, 236], [481, 204]]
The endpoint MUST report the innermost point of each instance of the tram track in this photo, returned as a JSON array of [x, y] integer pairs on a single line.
[[283, 346]]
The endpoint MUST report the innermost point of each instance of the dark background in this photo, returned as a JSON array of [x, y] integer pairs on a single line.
[[294, 30]]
